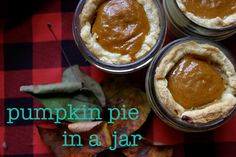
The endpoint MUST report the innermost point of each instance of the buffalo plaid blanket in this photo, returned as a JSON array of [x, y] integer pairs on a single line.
[[30, 55]]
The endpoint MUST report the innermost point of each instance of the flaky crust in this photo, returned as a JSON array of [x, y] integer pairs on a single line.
[[90, 39], [209, 112], [209, 23]]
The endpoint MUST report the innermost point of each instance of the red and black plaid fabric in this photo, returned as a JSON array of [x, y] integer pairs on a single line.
[[30, 55]]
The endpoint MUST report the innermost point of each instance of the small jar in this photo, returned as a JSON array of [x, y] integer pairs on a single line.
[[118, 68], [180, 25], [162, 111]]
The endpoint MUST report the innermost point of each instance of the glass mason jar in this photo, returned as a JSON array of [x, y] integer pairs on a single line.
[[180, 25], [122, 68], [160, 110]]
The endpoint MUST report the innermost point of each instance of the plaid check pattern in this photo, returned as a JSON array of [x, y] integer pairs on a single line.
[[30, 55]]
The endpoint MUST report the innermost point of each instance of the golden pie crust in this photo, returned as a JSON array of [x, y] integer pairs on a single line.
[[208, 112], [90, 39]]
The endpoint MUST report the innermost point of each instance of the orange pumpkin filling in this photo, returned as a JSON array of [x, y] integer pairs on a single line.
[[121, 26], [194, 82]]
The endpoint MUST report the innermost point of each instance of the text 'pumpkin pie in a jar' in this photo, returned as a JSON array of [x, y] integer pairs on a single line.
[[119, 31], [210, 13], [196, 83]]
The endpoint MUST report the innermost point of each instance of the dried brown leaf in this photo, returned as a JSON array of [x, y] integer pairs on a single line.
[[121, 92], [54, 140]]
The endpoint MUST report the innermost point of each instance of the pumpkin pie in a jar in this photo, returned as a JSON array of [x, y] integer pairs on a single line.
[[210, 13], [119, 31], [196, 83]]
